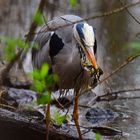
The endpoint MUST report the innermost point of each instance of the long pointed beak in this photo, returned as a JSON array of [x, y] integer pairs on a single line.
[[91, 57]]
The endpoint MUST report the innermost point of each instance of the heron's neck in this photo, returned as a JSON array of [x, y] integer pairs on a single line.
[[82, 54]]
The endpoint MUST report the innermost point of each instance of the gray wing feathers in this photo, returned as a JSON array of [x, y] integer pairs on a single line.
[[43, 37], [66, 32], [40, 55]]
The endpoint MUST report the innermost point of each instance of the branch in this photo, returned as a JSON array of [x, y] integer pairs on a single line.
[[5, 71], [126, 62], [112, 12], [34, 25], [136, 20], [103, 130], [114, 95]]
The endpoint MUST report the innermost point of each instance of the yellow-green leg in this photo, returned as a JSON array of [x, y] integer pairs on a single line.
[[75, 115]]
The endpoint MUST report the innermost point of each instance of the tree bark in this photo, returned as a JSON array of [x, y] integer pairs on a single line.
[[17, 126]]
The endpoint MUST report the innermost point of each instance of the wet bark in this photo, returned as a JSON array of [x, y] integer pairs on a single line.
[[18, 126], [18, 121]]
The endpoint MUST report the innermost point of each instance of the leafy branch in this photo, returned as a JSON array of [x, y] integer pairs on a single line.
[[4, 73]]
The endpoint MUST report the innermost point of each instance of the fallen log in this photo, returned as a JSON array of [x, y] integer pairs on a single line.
[[16, 126], [21, 123]]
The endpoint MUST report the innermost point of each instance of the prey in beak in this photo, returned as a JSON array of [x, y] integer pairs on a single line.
[[91, 63], [85, 36]]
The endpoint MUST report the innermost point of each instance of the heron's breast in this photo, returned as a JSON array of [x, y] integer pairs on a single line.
[[68, 67]]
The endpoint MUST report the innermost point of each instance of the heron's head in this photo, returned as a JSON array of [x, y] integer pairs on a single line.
[[85, 36]]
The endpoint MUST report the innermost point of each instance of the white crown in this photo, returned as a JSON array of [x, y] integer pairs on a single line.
[[89, 37]]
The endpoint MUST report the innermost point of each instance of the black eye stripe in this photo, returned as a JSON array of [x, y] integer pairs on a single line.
[[79, 28], [95, 47]]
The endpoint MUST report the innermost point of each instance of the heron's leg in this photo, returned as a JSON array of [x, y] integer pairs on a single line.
[[75, 115], [48, 118]]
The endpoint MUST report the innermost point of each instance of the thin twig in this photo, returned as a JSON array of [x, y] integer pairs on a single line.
[[103, 130], [4, 73], [7, 106], [126, 62], [84, 106], [105, 14], [136, 20], [58, 102], [129, 98], [34, 24], [114, 95], [123, 91]]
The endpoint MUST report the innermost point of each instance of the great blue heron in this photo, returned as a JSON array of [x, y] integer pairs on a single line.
[[70, 53]]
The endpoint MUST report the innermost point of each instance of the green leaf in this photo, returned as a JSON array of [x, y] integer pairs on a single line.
[[59, 119], [21, 43], [11, 45], [10, 49], [38, 18], [55, 77], [98, 136], [134, 45], [73, 3], [51, 80], [39, 86], [39, 77], [36, 75], [35, 45], [44, 98], [44, 70]]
